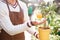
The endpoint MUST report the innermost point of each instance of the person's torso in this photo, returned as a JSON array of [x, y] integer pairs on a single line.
[[17, 9], [16, 18]]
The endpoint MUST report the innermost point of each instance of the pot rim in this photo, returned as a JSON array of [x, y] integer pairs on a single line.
[[44, 28]]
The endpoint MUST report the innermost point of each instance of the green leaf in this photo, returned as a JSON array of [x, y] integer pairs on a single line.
[[48, 20]]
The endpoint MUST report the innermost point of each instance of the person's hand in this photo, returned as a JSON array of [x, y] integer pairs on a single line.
[[43, 20], [37, 36], [37, 23]]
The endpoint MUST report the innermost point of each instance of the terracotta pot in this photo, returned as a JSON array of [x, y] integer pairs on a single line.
[[44, 33]]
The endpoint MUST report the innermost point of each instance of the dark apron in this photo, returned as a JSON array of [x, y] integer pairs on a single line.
[[16, 18]]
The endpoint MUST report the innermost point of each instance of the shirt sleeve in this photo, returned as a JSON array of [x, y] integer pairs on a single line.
[[25, 9], [9, 27], [31, 31]]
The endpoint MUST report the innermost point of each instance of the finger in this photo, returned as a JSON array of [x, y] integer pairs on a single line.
[[37, 36], [42, 22]]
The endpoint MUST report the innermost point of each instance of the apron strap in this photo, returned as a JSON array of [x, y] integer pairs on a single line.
[[7, 5], [17, 4]]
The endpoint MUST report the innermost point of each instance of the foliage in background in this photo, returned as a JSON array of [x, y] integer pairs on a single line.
[[49, 10], [53, 20]]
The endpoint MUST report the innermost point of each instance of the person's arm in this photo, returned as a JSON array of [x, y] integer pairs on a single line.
[[33, 32], [30, 30], [9, 27], [7, 24]]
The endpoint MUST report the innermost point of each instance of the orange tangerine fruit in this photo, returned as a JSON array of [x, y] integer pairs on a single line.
[[39, 16]]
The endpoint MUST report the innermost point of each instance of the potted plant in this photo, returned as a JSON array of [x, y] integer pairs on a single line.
[[46, 9]]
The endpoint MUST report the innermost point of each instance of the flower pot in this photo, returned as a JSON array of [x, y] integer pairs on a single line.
[[44, 33]]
